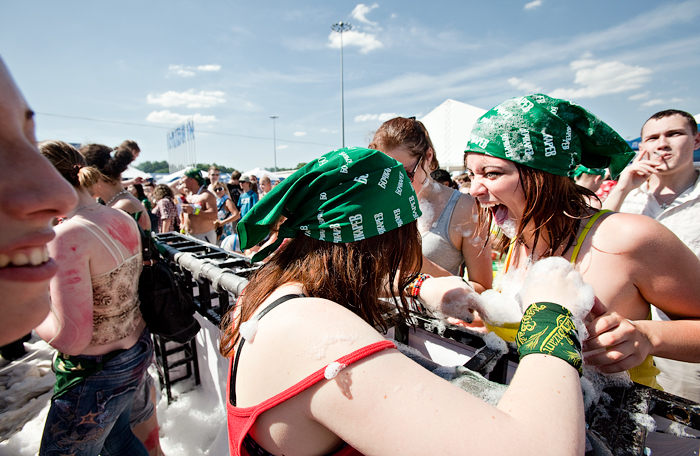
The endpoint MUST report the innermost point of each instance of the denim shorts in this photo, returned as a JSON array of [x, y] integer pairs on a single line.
[[92, 418]]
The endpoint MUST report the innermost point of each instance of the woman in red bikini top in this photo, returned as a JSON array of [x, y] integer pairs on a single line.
[[310, 373]]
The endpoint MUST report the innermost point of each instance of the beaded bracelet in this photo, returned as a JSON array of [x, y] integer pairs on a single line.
[[548, 328], [413, 289]]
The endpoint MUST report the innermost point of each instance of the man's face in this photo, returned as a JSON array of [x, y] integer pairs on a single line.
[[214, 176], [32, 193], [671, 141]]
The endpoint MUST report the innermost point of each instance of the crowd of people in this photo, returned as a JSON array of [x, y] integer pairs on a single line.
[[355, 235]]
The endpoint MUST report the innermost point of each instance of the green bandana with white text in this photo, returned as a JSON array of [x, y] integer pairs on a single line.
[[344, 196], [549, 134]]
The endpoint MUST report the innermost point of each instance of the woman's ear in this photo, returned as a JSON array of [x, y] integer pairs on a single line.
[[429, 156]]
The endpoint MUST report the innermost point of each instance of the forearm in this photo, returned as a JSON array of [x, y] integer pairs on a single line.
[[676, 339], [63, 334], [615, 198], [545, 397]]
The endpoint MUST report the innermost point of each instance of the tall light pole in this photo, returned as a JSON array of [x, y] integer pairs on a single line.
[[341, 27], [274, 140]]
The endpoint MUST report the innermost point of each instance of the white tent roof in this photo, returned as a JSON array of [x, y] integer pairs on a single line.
[[176, 175], [449, 126], [132, 172], [260, 172]]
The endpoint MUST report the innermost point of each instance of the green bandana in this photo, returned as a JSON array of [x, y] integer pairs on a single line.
[[194, 174], [548, 328], [549, 134], [580, 169], [343, 196]]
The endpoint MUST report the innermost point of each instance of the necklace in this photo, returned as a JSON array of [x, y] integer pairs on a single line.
[[123, 192]]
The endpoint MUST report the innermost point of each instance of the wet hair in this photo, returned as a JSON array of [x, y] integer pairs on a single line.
[[129, 144], [554, 204], [350, 274], [68, 161], [111, 162], [161, 191], [441, 176], [675, 112], [409, 133], [140, 194]]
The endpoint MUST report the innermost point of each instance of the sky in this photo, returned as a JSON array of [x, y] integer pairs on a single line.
[[108, 71]]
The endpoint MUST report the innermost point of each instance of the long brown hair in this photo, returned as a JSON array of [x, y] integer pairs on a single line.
[[555, 204], [409, 133], [352, 274]]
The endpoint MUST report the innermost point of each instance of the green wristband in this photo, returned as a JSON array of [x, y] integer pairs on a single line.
[[548, 328]]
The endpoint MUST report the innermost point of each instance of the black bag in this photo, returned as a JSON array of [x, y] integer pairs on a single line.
[[165, 305]]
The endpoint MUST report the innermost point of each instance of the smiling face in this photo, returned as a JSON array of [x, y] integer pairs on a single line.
[[671, 140], [496, 184], [26, 212]]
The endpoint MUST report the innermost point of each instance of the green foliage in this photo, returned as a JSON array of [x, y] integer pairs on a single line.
[[300, 165], [161, 167], [153, 167], [222, 168]]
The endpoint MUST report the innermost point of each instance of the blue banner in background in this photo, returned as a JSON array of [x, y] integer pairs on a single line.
[[180, 135]]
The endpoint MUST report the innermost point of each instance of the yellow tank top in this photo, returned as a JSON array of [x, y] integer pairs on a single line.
[[646, 372]]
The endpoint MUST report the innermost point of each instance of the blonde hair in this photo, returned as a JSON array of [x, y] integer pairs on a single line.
[[68, 161]]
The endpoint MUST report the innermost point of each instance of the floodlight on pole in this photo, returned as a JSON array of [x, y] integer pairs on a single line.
[[274, 139], [341, 27]]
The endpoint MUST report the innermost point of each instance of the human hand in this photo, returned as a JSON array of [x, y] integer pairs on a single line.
[[637, 172], [138, 180], [450, 296], [555, 280], [615, 344], [216, 223]]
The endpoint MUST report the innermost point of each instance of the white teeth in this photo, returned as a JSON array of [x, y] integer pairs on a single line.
[[34, 257], [20, 259]]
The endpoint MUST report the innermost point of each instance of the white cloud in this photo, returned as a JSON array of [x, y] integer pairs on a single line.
[[524, 85], [365, 41], [203, 99], [373, 117], [360, 12], [325, 130], [299, 133], [168, 117], [639, 96], [599, 78], [283, 146], [654, 102], [660, 101], [533, 4], [189, 71]]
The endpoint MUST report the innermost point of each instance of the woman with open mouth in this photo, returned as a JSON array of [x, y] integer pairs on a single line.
[[521, 157]]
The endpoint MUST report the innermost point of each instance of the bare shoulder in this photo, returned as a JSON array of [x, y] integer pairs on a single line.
[[316, 330], [624, 232], [465, 209]]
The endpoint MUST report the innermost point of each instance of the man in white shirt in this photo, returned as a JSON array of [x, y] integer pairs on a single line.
[[663, 183]]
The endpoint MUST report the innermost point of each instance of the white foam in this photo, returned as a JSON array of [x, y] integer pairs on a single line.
[[509, 228], [248, 329], [317, 349], [333, 369]]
